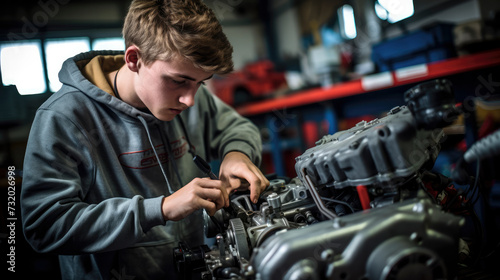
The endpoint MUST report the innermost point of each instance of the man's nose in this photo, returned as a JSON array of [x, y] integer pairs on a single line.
[[187, 98]]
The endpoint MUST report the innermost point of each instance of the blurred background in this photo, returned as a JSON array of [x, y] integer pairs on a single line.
[[303, 68]]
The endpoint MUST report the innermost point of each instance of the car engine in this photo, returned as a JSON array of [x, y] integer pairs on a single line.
[[364, 205]]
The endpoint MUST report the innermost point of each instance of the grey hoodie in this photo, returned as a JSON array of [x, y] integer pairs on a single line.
[[93, 185]]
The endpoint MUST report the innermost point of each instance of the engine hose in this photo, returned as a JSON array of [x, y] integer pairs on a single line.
[[316, 197], [364, 198], [487, 147], [339, 202]]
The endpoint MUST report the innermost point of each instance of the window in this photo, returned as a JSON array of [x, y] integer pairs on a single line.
[[394, 10], [22, 66], [347, 23], [57, 51], [21, 62], [109, 44]]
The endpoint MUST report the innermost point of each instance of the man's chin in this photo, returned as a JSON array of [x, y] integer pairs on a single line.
[[164, 117]]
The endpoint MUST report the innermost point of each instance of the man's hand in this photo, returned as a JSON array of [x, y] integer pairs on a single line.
[[237, 171], [199, 193]]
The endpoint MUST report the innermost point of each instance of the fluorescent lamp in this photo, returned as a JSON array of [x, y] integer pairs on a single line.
[[347, 22]]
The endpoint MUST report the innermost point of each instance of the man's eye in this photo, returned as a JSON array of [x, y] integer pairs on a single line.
[[178, 82]]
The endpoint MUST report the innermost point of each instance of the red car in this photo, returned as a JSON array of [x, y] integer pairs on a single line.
[[255, 81]]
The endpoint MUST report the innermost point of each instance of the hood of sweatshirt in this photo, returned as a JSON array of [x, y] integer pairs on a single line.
[[71, 75]]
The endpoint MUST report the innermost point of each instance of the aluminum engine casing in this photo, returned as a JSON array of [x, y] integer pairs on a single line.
[[375, 152], [408, 239]]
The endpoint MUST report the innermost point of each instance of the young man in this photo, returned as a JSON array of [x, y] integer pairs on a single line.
[[109, 180]]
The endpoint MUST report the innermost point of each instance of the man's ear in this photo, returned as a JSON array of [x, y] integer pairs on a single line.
[[132, 56]]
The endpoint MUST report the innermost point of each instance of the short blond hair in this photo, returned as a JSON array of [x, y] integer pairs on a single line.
[[164, 29]]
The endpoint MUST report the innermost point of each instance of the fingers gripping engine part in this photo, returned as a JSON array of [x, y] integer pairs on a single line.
[[359, 208]]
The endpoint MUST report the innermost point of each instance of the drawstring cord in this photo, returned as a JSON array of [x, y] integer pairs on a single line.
[[191, 149], [167, 146], [199, 161], [170, 156], [144, 123]]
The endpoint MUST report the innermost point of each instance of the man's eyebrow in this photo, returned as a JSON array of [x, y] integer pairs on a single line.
[[191, 78]]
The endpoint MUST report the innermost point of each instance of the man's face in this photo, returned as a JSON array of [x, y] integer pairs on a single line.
[[168, 88]]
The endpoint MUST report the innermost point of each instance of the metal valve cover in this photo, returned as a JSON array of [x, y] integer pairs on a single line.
[[377, 152]]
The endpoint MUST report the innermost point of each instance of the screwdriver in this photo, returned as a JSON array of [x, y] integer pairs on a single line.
[[204, 167], [207, 170]]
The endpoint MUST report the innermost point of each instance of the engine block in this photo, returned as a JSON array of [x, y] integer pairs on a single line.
[[316, 225]]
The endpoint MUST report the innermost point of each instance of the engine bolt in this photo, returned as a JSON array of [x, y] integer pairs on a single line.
[[327, 255]]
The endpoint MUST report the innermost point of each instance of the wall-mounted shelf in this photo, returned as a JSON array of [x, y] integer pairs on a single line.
[[375, 82], [372, 93]]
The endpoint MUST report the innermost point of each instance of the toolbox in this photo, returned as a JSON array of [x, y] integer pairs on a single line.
[[428, 44]]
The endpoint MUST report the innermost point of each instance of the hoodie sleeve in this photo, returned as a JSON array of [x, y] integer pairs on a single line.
[[58, 172], [226, 130]]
